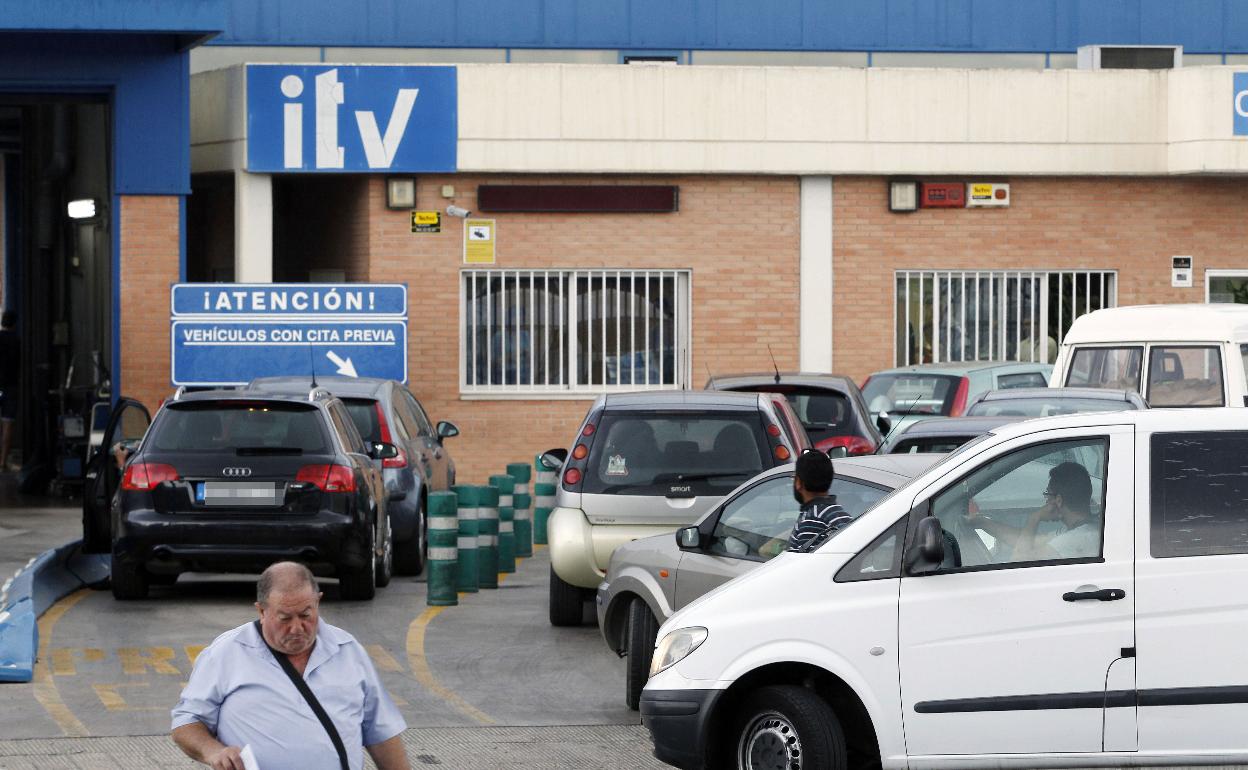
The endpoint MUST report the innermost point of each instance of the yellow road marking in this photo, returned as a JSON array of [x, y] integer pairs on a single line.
[[44, 687], [63, 659], [193, 651], [136, 660], [420, 667], [382, 659], [112, 700]]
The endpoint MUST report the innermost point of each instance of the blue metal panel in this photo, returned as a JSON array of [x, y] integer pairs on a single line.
[[1201, 26], [188, 19]]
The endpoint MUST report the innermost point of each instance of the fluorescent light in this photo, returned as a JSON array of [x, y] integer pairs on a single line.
[[81, 209]]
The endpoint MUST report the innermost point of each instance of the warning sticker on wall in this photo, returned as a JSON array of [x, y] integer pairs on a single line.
[[479, 241]]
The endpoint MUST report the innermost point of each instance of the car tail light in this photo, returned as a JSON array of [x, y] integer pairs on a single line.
[[580, 452], [959, 397], [327, 478], [588, 430], [141, 477], [782, 452], [572, 476], [854, 445], [399, 460], [773, 430]]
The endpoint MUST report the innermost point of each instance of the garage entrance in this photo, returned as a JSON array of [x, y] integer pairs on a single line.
[[57, 247]]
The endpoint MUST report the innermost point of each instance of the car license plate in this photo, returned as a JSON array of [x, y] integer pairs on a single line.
[[238, 493]]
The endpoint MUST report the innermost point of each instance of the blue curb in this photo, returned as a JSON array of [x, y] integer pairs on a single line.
[[49, 576]]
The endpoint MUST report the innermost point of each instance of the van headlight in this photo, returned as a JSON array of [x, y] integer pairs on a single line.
[[675, 646]]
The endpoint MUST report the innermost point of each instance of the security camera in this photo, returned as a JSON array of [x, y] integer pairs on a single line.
[[456, 211]]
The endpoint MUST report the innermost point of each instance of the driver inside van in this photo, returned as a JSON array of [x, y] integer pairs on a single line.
[[1067, 501]]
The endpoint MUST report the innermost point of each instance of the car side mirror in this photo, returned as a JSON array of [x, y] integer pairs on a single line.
[[382, 450], [689, 539], [838, 451], [928, 551], [553, 459], [447, 430], [884, 422]]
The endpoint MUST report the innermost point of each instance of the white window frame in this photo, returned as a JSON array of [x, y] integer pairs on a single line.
[[1044, 280], [564, 315], [1210, 273]]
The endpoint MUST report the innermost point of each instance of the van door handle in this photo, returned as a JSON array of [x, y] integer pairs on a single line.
[[1103, 595]]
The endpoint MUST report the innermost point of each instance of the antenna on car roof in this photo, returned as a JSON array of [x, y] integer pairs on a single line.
[[710, 378], [773, 363], [312, 361]]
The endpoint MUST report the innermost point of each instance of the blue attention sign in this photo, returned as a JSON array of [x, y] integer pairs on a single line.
[[351, 119], [282, 299], [1241, 104], [228, 334]]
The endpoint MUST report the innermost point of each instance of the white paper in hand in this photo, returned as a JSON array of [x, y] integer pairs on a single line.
[[249, 758]]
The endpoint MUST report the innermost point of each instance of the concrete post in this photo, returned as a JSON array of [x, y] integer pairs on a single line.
[[253, 227]]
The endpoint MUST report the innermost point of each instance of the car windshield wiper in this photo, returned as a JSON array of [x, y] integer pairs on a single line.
[[267, 450]]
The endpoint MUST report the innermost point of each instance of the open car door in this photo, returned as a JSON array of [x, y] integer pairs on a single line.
[[127, 423]]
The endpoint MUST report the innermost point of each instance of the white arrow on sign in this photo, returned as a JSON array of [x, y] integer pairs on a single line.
[[345, 368]]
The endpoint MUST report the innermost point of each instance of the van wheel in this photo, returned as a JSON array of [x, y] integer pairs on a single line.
[[567, 602], [360, 582], [643, 630], [788, 727], [129, 581]]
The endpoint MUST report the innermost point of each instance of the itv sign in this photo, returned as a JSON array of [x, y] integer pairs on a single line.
[[1241, 104], [328, 119]]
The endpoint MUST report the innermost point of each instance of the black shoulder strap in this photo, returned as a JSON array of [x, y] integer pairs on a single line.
[[300, 684]]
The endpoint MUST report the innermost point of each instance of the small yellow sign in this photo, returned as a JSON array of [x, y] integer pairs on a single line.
[[981, 191], [426, 222], [479, 239]]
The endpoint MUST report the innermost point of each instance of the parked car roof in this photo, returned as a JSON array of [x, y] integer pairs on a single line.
[[1109, 399], [945, 427], [339, 386], [815, 379], [961, 367], [1160, 323], [681, 399]]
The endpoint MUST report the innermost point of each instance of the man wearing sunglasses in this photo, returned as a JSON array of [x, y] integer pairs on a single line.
[[1067, 501]]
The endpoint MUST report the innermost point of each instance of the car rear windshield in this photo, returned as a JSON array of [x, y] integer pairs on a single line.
[[928, 444], [1044, 407], [243, 427], [363, 413], [911, 393], [647, 453], [824, 413]]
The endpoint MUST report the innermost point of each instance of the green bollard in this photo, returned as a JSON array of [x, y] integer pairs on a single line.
[[523, 505], [469, 502], [545, 504], [506, 523], [443, 533], [487, 537]]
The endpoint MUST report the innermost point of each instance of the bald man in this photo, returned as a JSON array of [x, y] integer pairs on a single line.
[[239, 695]]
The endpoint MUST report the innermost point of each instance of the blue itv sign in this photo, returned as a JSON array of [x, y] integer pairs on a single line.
[[351, 119], [1240, 98], [228, 334]]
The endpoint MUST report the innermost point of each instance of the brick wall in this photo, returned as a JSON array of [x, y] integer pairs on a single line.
[[738, 235], [1133, 225], [149, 263]]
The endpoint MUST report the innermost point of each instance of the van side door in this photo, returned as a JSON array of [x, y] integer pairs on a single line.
[[1018, 644], [1192, 576]]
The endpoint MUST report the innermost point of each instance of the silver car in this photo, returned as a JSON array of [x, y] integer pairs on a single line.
[[651, 578]]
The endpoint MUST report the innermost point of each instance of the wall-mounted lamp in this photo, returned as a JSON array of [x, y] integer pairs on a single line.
[[400, 192], [903, 195], [83, 208]]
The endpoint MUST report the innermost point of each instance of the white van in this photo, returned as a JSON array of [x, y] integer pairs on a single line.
[[955, 625], [1174, 355]]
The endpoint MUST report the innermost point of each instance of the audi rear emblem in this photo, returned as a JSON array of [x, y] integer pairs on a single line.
[[235, 473]]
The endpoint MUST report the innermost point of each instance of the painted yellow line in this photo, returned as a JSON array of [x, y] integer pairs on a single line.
[[44, 687], [420, 668]]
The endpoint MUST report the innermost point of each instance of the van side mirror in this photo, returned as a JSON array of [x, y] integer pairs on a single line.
[[689, 539], [884, 422], [553, 459], [928, 550]]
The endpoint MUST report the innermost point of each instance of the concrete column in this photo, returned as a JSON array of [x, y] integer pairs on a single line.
[[253, 227], [815, 326]]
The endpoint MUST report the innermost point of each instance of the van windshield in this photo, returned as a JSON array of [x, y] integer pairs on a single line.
[[675, 453], [1105, 367]]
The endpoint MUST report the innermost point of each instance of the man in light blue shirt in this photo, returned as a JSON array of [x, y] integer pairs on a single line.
[[238, 695]]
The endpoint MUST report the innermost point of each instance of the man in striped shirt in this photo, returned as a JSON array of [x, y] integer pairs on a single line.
[[820, 515]]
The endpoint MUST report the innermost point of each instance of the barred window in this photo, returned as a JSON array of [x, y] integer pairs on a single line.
[[573, 331], [977, 315]]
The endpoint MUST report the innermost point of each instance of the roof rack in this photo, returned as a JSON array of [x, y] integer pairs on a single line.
[[318, 393], [177, 394]]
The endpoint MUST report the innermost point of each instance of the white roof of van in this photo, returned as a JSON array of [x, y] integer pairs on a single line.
[[1146, 420], [1161, 323]]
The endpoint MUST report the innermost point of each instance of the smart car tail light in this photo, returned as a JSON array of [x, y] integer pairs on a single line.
[[142, 477], [399, 460], [854, 445], [574, 469], [327, 478]]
